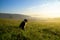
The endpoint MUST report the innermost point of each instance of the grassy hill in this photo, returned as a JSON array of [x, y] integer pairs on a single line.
[[34, 30], [13, 16], [48, 29]]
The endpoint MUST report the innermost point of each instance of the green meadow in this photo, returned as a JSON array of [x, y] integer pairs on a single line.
[[34, 30]]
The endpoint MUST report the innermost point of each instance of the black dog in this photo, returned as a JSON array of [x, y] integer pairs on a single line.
[[23, 24]]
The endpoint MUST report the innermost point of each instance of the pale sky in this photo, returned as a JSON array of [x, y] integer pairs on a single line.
[[34, 8], [49, 9]]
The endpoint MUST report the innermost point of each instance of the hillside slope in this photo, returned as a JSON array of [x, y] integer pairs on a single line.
[[13, 16]]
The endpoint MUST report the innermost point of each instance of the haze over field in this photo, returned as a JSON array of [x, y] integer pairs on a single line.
[[34, 8]]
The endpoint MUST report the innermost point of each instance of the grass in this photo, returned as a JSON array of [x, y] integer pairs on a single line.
[[34, 30]]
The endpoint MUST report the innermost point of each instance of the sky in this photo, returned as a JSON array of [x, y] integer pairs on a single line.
[[34, 8]]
